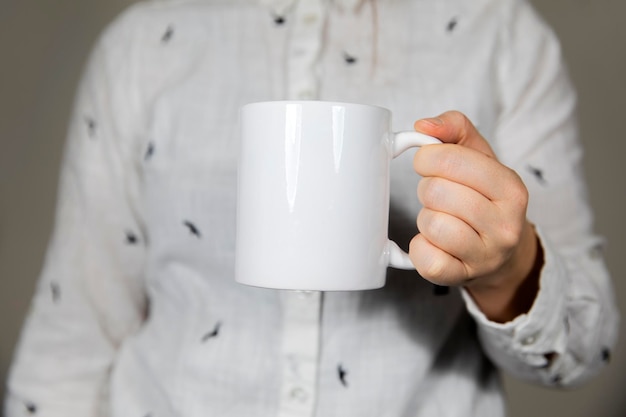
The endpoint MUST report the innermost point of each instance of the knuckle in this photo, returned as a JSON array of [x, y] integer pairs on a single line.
[[510, 235], [435, 270], [513, 221], [423, 160], [450, 162], [423, 221], [456, 116], [431, 224], [437, 225], [425, 258], [518, 193], [520, 197], [429, 191], [460, 119], [417, 160]]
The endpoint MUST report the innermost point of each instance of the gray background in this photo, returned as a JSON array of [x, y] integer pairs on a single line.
[[43, 45]]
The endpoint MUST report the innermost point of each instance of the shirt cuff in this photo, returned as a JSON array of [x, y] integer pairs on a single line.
[[534, 337]]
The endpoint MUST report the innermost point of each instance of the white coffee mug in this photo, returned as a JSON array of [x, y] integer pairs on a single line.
[[313, 196]]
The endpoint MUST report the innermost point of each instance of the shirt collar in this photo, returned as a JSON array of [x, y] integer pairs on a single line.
[[287, 4]]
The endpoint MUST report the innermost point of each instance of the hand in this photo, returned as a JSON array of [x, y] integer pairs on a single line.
[[473, 227]]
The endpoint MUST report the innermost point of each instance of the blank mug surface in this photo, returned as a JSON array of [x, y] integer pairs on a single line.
[[313, 197]]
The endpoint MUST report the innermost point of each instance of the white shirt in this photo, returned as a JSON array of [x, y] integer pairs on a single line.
[[137, 314]]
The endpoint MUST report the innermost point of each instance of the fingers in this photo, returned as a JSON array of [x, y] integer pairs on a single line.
[[455, 127], [450, 234], [465, 166], [472, 164], [434, 264], [467, 226], [458, 200], [474, 206]]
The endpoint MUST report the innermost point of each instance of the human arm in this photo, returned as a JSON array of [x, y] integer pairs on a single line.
[[568, 332], [89, 295]]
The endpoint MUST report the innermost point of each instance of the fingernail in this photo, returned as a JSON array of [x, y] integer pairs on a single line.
[[433, 121]]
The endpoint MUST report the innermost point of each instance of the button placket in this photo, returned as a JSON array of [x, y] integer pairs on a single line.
[[300, 345], [304, 50], [299, 394]]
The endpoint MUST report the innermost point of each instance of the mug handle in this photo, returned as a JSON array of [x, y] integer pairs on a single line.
[[400, 142]]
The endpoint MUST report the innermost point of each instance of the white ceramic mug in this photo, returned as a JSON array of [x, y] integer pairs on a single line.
[[313, 197]]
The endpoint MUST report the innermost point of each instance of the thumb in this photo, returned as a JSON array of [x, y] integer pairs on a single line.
[[454, 127]]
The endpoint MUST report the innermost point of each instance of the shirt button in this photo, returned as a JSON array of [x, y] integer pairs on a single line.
[[306, 95], [310, 18], [529, 340], [298, 394]]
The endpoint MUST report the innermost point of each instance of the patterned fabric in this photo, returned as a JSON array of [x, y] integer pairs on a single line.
[[136, 313]]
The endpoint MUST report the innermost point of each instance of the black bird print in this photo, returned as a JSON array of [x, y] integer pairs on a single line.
[[538, 174], [167, 36], [192, 228], [452, 24], [341, 372], [349, 58], [55, 290], [30, 407], [91, 126], [213, 333], [279, 20], [131, 238], [606, 355], [149, 151]]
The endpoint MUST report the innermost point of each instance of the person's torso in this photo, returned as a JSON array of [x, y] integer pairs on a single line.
[[211, 346]]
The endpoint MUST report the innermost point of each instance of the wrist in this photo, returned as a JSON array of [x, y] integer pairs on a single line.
[[512, 290]]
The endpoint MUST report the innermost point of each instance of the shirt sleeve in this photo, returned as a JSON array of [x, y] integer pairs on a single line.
[[571, 328], [90, 295]]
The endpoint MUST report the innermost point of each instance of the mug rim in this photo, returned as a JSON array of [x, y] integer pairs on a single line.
[[306, 102]]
